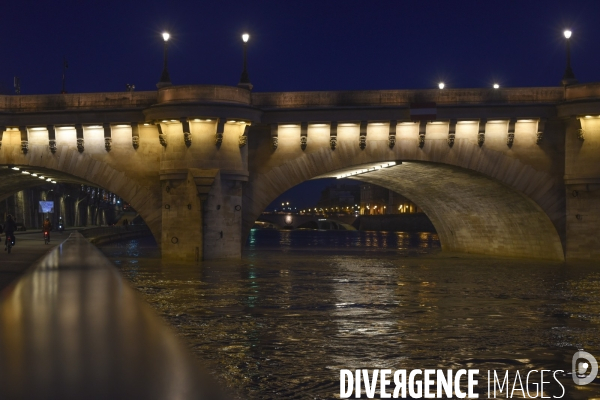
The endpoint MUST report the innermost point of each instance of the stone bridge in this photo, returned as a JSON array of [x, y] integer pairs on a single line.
[[506, 172]]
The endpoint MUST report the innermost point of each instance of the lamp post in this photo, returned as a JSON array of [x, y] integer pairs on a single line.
[[165, 80], [569, 76], [244, 79]]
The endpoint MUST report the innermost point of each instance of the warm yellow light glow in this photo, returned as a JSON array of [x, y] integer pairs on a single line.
[[288, 126], [38, 128], [347, 124], [567, 34], [122, 126], [173, 120], [94, 127], [33, 174], [588, 116], [49, 180], [146, 124], [165, 121], [245, 37], [231, 122], [16, 168], [441, 85], [53, 181], [318, 125], [41, 177], [25, 172], [166, 36], [496, 86], [376, 124]]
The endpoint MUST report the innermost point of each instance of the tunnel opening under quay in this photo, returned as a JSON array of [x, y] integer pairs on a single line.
[[76, 202], [471, 213]]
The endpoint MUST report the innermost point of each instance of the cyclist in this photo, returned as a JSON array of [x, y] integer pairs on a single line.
[[9, 230], [47, 228]]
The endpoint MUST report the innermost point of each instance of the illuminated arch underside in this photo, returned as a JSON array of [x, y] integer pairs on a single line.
[[472, 213], [83, 170]]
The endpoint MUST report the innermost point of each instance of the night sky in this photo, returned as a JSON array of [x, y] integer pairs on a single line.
[[302, 45]]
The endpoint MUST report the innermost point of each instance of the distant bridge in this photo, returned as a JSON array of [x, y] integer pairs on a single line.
[[293, 221], [507, 172]]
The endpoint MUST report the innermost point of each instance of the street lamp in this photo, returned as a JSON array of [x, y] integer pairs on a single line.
[[165, 80], [441, 85], [496, 86], [244, 79], [569, 76]]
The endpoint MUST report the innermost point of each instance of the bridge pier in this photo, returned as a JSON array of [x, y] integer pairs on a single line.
[[201, 215]]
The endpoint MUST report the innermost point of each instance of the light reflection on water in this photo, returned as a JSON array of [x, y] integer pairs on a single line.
[[280, 324], [369, 240]]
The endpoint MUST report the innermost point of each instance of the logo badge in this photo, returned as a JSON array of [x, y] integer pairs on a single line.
[[584, 367]]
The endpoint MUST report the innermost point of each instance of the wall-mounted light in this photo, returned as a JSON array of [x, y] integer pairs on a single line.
[[365, 170]]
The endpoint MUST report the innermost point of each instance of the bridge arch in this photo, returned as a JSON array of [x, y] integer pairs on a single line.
[[480, 200], [72, 166]]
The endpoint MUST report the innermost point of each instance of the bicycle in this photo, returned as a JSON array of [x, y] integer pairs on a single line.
[[10, 242], [46, 237]]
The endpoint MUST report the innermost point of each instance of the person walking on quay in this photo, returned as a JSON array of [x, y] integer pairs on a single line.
[[9, 230], [46, 229]]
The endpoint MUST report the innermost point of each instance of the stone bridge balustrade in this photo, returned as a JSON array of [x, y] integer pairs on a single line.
[[225, 153]]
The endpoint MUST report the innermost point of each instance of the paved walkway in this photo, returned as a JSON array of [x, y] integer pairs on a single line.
[[29, 247]]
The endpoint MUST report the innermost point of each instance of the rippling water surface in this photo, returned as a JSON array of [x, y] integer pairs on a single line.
[[282, 321]]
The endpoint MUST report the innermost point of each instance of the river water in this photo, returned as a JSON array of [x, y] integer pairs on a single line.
[[299, 306]]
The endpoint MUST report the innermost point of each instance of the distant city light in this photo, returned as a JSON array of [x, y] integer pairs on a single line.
[[441, 85], [496, 86], [166, 36], [567, 34]]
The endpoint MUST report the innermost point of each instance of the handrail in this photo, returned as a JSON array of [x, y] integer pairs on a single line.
[[72, 328]]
